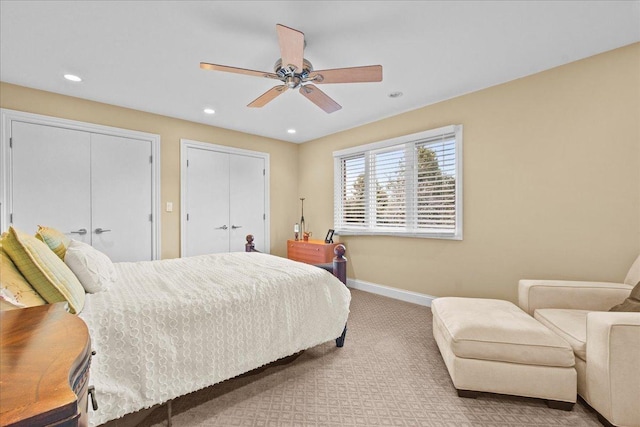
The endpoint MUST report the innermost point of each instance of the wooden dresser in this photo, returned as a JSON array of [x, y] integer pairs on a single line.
[[311, 251], [45, 354]]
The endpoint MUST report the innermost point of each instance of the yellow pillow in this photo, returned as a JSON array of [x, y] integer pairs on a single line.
[[14, 282], [57, 241], [47, 273]]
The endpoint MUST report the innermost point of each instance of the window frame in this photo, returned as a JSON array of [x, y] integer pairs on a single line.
[[409, 142]]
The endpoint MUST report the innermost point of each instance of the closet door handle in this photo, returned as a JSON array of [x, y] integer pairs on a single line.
[[236, 226], [224, 227], [81, 231], [101, 230]]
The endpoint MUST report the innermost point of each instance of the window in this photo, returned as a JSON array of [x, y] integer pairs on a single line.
[[407, 186]]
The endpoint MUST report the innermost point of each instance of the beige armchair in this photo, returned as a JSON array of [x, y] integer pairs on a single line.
[[606, 344]]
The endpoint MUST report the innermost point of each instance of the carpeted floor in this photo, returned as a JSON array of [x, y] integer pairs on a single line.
[[389, 373]]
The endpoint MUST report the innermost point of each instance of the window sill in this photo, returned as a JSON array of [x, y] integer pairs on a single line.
[[427, 235]]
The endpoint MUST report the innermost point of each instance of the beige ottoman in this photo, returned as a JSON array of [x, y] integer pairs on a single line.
[[493, 346]]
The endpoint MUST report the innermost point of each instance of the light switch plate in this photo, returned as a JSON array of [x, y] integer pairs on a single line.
[[169, 207]]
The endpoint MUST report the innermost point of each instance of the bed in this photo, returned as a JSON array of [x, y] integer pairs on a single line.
[[166, 328]]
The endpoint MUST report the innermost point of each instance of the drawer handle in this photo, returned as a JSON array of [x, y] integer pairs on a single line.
[[92, 395]]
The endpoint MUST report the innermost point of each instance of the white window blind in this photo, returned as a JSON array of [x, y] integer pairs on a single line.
[[409, 186]]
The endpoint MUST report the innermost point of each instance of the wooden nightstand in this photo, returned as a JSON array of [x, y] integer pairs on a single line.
[[311, 251], [45, 354]]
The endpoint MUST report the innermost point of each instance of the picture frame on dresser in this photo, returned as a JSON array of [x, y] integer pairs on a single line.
[[329, 237]]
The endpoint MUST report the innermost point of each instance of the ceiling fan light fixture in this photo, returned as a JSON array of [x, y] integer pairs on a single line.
[[291, 131], [292, 82], [72, 78], [209, 111]]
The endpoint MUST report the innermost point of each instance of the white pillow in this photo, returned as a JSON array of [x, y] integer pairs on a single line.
[[94, 269]]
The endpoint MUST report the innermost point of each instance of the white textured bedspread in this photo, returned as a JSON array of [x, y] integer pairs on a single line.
[[170, 327]]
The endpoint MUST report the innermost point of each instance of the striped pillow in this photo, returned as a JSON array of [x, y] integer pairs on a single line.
[[13, 283], [57, 241], [47, 273]]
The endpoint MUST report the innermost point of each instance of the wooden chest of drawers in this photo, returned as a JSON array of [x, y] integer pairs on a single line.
[[45, 354], [311, 252]]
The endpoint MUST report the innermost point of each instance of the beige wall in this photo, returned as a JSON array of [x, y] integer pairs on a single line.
[[283, 155], [551, 183]]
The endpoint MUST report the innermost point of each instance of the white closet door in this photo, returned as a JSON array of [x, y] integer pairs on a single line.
[[246, 201], [207, 202], [50, 179], [121, 197]]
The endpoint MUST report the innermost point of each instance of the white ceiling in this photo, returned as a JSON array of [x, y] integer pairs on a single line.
[[145, 54]]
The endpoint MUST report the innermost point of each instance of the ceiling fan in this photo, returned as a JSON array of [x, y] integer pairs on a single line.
[[295, 72]]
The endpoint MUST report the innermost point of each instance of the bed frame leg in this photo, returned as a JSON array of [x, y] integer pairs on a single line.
[[169, 413], [340, 271], [340, 339]]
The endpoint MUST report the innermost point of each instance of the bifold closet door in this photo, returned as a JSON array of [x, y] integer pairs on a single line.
[[51, 179], [95, 188], [121, 205], [207, 200], [224, 201]]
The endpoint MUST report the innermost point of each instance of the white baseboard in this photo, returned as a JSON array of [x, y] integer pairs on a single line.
[[400, 294]]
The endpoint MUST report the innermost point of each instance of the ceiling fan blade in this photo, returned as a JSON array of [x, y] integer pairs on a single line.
[[318, 97], [216, 67], [268, 96], [291, 46], [369, 73]]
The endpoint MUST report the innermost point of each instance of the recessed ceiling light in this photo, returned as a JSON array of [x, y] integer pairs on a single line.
[[209, 111], [72, 78], [395, 94], [291, 131]]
